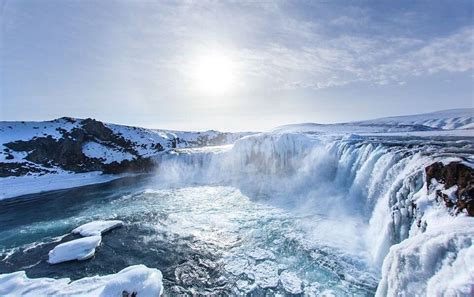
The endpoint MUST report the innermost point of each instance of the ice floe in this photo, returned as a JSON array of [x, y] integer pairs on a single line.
[[237, 266], [97, 227], [261, 254], [290, 282], [266, 274], [78, 249]]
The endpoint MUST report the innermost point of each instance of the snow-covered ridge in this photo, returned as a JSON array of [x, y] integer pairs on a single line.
[[436, 121], [447, 119]]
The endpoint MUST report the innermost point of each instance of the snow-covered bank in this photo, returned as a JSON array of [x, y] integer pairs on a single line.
[[14, 186], [137, 279], [438, 262]]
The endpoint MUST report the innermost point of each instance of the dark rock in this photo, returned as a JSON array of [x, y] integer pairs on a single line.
[[454, 173], [18, 169], [125, 293], [139, 165]]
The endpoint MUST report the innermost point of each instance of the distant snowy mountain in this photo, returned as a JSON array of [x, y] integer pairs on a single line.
[[446, 119], [77, 145], [454, 119]]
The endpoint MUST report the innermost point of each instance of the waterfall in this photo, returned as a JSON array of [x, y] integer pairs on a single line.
[[374, 179]]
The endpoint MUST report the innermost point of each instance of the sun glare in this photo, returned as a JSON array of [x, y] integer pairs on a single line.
[[214, 74]]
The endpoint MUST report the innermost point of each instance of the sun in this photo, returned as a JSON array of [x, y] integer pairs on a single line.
[[214, 74]]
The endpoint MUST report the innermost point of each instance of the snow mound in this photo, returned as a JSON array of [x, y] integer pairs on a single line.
[[79, 249], [439, 262], [97, 227], [138, 278]]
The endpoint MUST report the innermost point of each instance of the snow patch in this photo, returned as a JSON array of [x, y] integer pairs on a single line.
[[105, 153]]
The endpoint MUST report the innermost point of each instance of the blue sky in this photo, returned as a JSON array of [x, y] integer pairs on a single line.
[[233, 65]]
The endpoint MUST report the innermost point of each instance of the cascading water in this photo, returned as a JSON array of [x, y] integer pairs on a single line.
[[372, 179], [274, 213]]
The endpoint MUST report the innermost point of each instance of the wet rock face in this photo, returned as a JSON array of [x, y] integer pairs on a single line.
[[453, 174]]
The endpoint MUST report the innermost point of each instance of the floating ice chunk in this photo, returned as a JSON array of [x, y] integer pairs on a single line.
[[237, 266], [266, 274], [79, 249], [328, 293], [139, 278], [97, 227], [245, 286], [261, 254], [312, 290], [290, 281]]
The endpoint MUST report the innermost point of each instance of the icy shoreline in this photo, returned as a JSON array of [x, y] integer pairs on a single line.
[[137, 279], [14, 186]]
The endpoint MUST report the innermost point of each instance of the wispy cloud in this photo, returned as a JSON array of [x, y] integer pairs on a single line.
[[285, 50]]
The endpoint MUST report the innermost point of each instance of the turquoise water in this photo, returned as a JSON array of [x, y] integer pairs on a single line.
[[205, 240]]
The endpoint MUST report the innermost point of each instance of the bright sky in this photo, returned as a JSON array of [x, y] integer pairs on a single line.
[[233, 65]]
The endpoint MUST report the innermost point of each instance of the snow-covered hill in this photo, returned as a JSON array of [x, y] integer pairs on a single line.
[[77, 145], [446, 119], [454, 119]]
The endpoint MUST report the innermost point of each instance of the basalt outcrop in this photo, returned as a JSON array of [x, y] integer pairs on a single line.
[[454, 174]]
